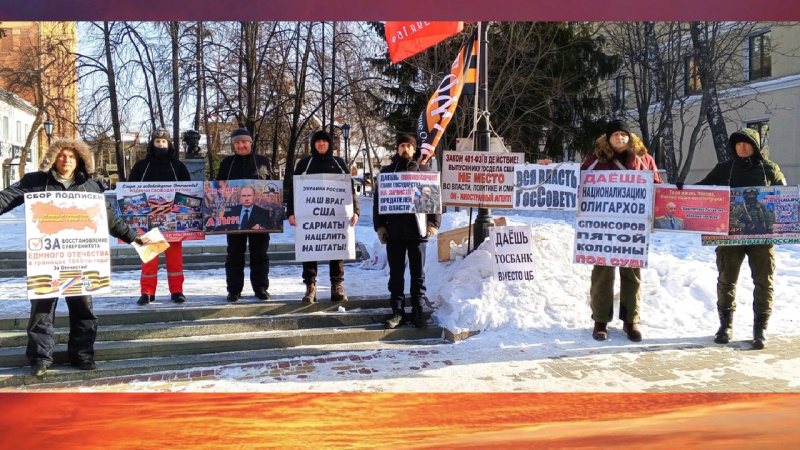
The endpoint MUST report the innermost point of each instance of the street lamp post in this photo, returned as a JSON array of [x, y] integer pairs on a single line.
[[346, 136], [48, 129]]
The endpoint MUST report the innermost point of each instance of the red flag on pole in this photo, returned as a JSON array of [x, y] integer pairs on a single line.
[[443, 102], [409, 38]]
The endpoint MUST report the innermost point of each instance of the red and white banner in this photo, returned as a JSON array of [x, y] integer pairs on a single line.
[[409, 38], [443, 102]]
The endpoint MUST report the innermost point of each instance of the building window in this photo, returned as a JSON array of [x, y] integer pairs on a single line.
[[19, 132], [760, 56], [691, 73], [762, 126], [620, 92], [6, 134]]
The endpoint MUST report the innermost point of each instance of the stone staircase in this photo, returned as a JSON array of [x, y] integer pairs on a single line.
[[176, 337], [195, 257]]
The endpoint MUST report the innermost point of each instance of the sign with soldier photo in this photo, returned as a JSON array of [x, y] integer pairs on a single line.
[[323, 207], [409, 192], [243, 206], [67, 244], [174, 207], [761, 215]]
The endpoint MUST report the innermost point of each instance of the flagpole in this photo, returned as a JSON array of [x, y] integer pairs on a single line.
[[484, 220]]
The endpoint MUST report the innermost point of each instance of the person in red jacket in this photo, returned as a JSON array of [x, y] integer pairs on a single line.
[[161, 164], [618, 149]]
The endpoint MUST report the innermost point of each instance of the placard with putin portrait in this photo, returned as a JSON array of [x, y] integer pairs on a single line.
[[243, 206], [693, 209]]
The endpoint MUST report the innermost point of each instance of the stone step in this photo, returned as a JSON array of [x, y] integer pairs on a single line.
[[122, 370], [219, 343], [200, 309], [207, 327], [13, 263]]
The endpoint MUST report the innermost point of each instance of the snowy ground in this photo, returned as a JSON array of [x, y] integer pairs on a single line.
[[522, 324]]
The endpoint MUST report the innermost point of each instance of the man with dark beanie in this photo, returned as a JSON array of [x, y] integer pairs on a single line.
[[618, 149], [245, 165], [322, 161], [747, 167], [161, 164], [403, 236]]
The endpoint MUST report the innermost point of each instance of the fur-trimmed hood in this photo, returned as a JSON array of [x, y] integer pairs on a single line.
[[86, 163], [604, 152]]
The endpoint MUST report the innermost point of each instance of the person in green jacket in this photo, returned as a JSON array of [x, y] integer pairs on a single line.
[[748, 167]]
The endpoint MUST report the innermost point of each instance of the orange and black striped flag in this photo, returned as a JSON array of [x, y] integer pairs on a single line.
[[443, 102], [472, 71]]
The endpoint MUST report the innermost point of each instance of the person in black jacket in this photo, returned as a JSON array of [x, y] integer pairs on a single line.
[[402, 235], [322, 161], [66, 166], [161, 164], [747, 167], [245, 165]]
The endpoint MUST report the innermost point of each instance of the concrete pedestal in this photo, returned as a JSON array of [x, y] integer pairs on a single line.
[[197, 168]]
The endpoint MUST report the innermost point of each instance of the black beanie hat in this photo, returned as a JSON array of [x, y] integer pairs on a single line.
[[406, 139], [241, 134], [162, 133], [616, 125], [321, 135]]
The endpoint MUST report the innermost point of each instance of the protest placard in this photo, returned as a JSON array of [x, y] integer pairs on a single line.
[[409, 192], [761, 215], [512, 253], [478, 179], [66, 244], [174, 207], [612, 226], [323, 206], [693, 209], [243, 206], [546, 187]]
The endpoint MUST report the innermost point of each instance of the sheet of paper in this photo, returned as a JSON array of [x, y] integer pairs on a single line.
[[157, 244]]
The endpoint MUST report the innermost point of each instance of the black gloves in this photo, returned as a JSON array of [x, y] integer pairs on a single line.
[[138, 240]]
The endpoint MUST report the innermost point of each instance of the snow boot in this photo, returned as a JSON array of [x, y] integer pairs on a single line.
[[759, 328], [145, 299], [178, 297], [38, 370], [725, 332], [632, 330], [311, 293], [337, 293], [418, 317], [600, 332], [396, 319]]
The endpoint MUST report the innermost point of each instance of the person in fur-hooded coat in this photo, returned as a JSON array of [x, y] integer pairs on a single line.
[[67, 166], [618, 149]]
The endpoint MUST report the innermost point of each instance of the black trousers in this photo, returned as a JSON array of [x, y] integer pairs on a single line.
[[396, 250], [82, 330], [259, 261], [310, 272]]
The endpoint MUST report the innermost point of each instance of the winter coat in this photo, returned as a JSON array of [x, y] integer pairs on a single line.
[[157, 168], [402, 226], [634, 158], [318, 163], [755, 170], [249, 167], [43, 180]]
